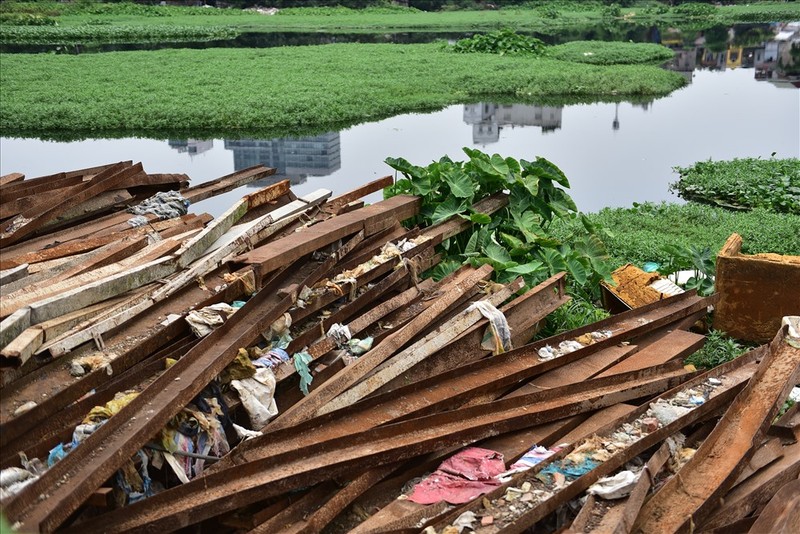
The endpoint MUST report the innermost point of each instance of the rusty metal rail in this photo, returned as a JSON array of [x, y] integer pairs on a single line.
[[87, 467], [735, 374], [719, 460], [224, 491]]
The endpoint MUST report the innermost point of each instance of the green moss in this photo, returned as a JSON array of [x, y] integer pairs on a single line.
[[290, 87]]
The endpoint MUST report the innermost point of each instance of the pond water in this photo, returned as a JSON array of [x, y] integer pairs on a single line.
[[614, 154]]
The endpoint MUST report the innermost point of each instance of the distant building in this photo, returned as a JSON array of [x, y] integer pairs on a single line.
[[295, 158], [487, 119], [191, 146]]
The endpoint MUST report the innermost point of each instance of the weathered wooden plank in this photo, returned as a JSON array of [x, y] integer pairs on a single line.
[[12, 274], [14, 325], [101, 290], [51, 181], [10, 178], [371, 219], [22, 347], [767, 453], [339, 204], [195, 247]]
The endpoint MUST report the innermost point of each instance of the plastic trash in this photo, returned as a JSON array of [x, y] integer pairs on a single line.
[[257, 395], [301, 361], [651, 267], [498, 325], [615, 487], [164, 204], [205, 320]]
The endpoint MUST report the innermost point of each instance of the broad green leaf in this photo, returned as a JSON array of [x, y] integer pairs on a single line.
[[527, 268], [528, 224], [472, 244], [422, 186], [460, 184], [577, 270], [404, 166], [543, 168], [450, 207], [511, 241], [480, 218], [554, 261], [495, 252]]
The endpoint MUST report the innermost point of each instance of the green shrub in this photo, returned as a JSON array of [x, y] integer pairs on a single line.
[[743, 184], [26, 19], [501, 42], [515, 240]]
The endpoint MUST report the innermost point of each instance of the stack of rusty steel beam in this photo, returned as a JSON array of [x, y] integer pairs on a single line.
[[287, 367]]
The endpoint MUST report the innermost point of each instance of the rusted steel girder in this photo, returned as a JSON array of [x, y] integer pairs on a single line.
[[36, 216], [226, 183], [70, 482], [308, 406], [717, 463], [450, 390], [735, 375], [245, 484]]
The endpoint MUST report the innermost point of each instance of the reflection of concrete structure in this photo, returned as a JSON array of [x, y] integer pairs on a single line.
[[487, 119], [684, 62], [293, 157], [779, 65], [191, 146]]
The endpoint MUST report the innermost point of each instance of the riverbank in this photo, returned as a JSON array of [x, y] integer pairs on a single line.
[[95, 21]]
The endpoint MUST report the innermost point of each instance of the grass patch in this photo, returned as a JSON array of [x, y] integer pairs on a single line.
[[282, 88], [743, 184], [603, 53], [718, 349], [640, 234]]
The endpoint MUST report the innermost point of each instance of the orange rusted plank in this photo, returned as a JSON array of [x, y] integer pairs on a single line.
[[723, 455]]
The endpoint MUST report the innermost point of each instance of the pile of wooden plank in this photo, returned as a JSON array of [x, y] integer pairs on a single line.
[[287, 367]]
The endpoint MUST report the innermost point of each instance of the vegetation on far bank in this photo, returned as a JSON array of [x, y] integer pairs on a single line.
[[290, 87], [640, 234], [743, 184], [55, 22]]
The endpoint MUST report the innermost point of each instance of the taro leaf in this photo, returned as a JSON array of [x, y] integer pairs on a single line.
[[460, 184], [422, 186], [528, 268], [514, 168], [526, 223], [480, 218], [496, 253], [593, 249], [554, 261], [577, 270], [511, 241], [450, 207], [404, 166], [543, 168], [562, 203], [444, 268]]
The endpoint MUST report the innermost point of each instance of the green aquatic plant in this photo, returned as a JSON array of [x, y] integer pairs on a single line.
[[505, 41], [742, 184], [610, 53]]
